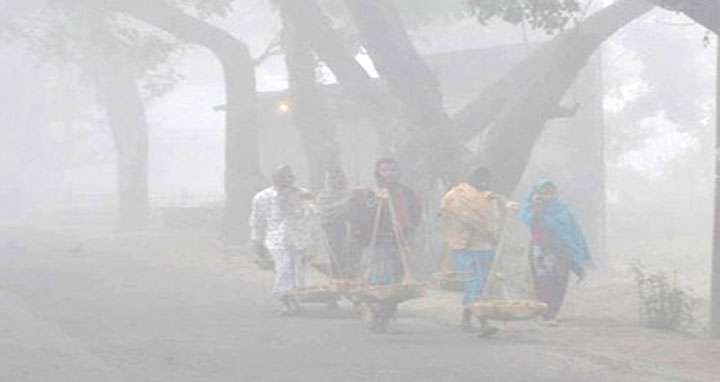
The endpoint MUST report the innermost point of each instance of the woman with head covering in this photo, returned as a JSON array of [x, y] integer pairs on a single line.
[[557, 246], [399, 215], [392, 214], [335, 210]]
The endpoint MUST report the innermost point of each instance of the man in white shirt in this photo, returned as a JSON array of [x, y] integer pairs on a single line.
[[280, 225]]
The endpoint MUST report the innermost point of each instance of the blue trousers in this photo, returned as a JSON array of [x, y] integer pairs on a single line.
[[475, 265]]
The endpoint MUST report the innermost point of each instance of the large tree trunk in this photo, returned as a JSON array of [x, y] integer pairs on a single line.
[[118, 94], [242, 170], [115, 76], [515, 109], [243, 177], [313, 27], [425, 147], [309, 115]]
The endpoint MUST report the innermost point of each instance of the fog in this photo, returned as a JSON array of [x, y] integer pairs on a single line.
[[145, 232]]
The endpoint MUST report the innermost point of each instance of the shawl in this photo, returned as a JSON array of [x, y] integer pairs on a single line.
[[333, 204], [473, 207], [561, 226]]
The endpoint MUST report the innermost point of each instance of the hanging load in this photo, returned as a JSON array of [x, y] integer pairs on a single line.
[[449, 280], [347, 287], [323, 294], [509, 294], [397, 293], [394, 293], [326, 293]]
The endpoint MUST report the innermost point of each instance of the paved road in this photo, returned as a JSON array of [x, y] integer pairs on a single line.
[[138, 309]]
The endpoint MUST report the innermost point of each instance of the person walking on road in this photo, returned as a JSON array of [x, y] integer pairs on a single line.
[[280, 226], [473, 229], [557, 246]]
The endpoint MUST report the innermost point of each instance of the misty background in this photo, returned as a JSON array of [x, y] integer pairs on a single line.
[[135, 134], [646, 115]]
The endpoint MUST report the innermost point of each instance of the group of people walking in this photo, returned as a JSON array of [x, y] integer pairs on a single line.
[[367, 230]]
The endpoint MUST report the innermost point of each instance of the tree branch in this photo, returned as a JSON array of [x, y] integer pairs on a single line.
[[274, 48], [314, 26], [412, 81], [515, 108], [704, 12], [242, 168]]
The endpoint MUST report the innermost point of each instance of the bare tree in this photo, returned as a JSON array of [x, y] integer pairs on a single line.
[[308, 108], [242, 170], [411, 80], [513, 111], [118, 94], [313, 26]]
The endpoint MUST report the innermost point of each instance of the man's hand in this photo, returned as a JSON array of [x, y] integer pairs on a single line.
[[512, 206], [382, 193]]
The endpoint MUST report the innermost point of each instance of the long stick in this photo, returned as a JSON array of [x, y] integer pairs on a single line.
[[373, 238], [408, 278], [492, 276]]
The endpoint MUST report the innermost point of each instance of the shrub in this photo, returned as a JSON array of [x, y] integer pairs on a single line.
[[664, 303]]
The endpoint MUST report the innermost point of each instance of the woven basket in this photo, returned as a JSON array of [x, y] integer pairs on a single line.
[[395, 293], [315, 294], [346, 286], [509, 310], [452, 281]]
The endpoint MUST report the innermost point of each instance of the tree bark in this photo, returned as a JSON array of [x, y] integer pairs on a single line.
[[117, 92], [242, 170], [313, 26], [412, 81], [513, 111], [309, 115]]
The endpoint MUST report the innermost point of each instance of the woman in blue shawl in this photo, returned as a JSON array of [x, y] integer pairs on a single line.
[[557, 245]]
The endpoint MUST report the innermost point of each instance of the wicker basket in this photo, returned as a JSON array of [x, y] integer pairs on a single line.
[[346, 286], [452, 281], [315, 294], [509, 310], [395, 293]]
